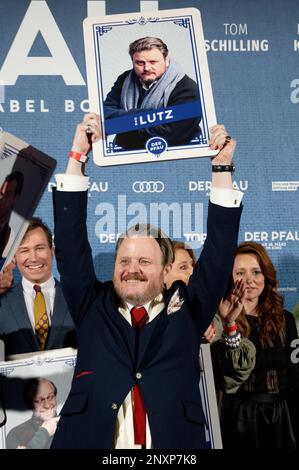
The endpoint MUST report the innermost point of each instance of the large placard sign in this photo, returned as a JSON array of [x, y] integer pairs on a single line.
[[148, 79], [34, 388], [25, 415], [24, 174]]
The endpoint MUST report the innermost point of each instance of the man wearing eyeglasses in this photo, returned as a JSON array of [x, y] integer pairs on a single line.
[[38, 431]]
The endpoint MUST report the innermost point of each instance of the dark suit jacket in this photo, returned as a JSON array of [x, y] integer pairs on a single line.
[[176, 133], [16, 330], [167, 350]]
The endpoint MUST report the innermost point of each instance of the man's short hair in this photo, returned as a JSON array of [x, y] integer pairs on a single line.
[[147, 43], [18, 177], [148, 230], [36, 222], [30, 390]]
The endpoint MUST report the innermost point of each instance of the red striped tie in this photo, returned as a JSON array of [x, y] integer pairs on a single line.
[[139, 318]]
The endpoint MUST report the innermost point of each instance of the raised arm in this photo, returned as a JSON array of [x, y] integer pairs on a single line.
[[73, 253], [212, 271]]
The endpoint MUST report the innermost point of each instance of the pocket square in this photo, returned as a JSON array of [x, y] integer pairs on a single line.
[[175, 303], [83, 372]]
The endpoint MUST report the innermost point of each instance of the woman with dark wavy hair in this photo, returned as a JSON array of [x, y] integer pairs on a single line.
[[262, 411]]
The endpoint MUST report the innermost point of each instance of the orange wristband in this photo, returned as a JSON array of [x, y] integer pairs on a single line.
[[78, 156]]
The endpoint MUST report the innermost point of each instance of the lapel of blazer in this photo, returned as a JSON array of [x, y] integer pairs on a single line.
[[127, 331], [21, 317], [151, 335], [58, 317]]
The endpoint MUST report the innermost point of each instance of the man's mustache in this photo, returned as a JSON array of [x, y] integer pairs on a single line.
[[134, 277]]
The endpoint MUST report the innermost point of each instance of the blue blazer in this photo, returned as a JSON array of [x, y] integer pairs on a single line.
[[16, 330], [163, 360]]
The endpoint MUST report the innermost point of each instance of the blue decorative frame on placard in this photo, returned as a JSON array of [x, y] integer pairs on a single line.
[[99, 30]]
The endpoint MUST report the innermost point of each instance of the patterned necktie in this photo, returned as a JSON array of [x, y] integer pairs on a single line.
[[139, 317], [41, 321]]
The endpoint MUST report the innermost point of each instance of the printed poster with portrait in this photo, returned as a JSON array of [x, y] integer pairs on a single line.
[[33, 389], [148, 79], [24, 174], [35, 386]]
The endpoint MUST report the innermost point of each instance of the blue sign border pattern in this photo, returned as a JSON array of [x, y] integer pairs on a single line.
[[187, 22]]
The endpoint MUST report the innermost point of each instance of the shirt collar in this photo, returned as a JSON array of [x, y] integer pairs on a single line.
[[148, 305], [153, 308], [28, 285], [148, 87]]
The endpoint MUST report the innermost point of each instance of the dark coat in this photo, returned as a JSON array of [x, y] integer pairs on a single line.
[[177, 133], [167, 355]]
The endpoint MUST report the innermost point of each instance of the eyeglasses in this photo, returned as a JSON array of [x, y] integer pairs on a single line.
[[42, 401]]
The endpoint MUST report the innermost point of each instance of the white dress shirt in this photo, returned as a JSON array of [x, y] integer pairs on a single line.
[[224, 197], [124, 430]]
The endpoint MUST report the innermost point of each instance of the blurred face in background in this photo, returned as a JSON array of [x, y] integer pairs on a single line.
[[181, 268]]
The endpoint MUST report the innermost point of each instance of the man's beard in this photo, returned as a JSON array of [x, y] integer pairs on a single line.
[[148, 82], [150, 293]]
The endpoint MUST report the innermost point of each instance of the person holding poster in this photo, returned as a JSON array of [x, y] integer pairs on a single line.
[[155, 82], [136, 379]]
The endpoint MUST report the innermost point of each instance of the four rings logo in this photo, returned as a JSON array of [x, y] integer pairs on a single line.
[[148, 187]]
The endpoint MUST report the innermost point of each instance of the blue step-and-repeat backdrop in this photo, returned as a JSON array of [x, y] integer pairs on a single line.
[[252, 48]]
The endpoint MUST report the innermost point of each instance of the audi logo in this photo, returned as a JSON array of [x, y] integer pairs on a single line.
[[148, 187]]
